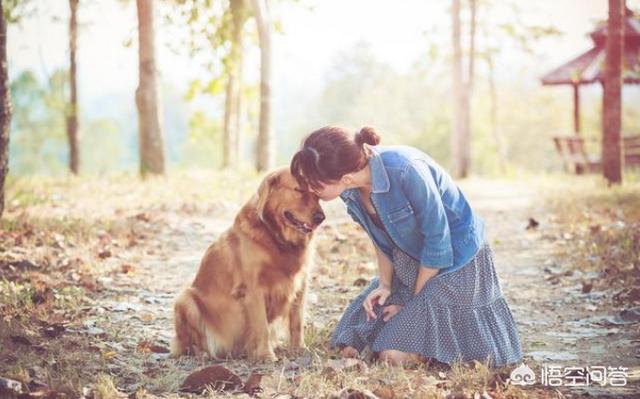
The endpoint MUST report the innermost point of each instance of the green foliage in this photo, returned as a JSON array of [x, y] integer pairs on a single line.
[[214, 87], [525, 35], [15, 10], [16, 295], [38, 123], [407, 108], [38, 143], [413, 107], [209, 27], [103, 147], [203, 148]]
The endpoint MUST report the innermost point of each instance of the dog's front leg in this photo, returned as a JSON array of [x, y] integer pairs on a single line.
[[258, 343], [296, 319]]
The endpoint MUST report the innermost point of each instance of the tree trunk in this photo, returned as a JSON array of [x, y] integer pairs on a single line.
[[495, 127], [465, 142], [5, 107], [239, 11], [472, 44], [265, 156], [237, 144], [150, 131], [234, 87], [459, 101], [611, 109], [72, 116], [227, 127]]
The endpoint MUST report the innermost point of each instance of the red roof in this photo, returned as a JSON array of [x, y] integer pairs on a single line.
[[588, 67]]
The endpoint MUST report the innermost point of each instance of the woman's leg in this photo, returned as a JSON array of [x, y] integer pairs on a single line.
[[349, 352], [399, 358], [354, 332]]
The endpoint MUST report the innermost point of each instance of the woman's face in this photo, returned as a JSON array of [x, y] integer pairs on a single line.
[[329, 191]]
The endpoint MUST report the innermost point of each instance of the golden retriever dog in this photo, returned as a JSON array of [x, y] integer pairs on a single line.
[[253, 274]]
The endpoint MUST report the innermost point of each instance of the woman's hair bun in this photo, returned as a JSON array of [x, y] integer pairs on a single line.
[[367, 135]]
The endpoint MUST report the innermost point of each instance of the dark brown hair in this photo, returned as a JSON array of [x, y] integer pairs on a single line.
[[330, 153]]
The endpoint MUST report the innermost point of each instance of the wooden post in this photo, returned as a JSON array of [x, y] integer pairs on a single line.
[[612, 99], [576, 109]]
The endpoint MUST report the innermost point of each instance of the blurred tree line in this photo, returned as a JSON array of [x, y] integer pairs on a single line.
[[497, 125], [216, 31]]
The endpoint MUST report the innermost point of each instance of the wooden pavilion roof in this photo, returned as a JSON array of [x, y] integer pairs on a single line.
[[588, 67]]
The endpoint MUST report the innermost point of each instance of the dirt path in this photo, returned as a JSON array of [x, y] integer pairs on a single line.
[[558, 323]]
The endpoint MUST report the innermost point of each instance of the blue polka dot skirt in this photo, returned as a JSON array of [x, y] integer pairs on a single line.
[[461, 315]]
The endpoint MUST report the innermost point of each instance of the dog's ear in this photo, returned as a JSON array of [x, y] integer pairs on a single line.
[[267, 185]]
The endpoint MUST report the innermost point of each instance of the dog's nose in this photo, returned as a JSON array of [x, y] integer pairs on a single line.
[[318, 217]]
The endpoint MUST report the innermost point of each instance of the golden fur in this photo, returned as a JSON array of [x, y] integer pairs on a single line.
[[254, 273]]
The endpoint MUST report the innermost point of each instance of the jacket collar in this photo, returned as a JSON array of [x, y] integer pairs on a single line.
[[379, 177]]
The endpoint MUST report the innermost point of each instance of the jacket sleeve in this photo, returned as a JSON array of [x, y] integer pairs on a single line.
[[424, 196]]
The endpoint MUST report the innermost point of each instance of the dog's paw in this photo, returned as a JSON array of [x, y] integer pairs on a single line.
[[298, 349], [264, 356]]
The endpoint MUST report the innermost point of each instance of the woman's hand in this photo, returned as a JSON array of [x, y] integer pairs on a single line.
[[376, 297], [389, 311]]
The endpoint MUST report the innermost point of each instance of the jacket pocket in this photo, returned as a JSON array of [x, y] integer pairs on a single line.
[[403, 220], [402, 213]]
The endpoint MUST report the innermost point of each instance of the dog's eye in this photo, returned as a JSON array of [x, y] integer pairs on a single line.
[[298, 189]]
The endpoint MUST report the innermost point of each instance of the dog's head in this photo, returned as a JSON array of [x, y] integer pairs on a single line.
[[289, 211]]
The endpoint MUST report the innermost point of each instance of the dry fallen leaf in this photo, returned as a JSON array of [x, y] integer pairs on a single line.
[[104, 253], [52, 330], [89, 282], [143, 217], [146, 347], [385, 392], [424, 380], [350, 393], [360, 282], [22, 340], [348, 364], [216, 377], [127, 269], [146, 317], [109, 355], [252, 386], [457, 395]]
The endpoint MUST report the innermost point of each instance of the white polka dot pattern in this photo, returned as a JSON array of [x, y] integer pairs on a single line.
[[459, 315]]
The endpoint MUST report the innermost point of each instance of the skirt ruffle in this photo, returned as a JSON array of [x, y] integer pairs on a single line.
[[461, 315]]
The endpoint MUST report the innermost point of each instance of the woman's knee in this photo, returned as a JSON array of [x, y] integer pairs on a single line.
[[393, 357]]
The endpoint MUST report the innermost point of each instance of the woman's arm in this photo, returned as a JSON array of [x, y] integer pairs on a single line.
[[424, 274], [424, 197], [379, 295], [385, 268]]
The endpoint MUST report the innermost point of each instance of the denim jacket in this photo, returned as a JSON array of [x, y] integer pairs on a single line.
[[424, 213]]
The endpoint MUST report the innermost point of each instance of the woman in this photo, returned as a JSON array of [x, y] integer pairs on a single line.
[[437, 295]]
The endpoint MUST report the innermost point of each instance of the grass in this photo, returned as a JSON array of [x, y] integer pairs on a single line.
[[116, 195], [53, 236], [599, 225], [62, 227], [63, 365]]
